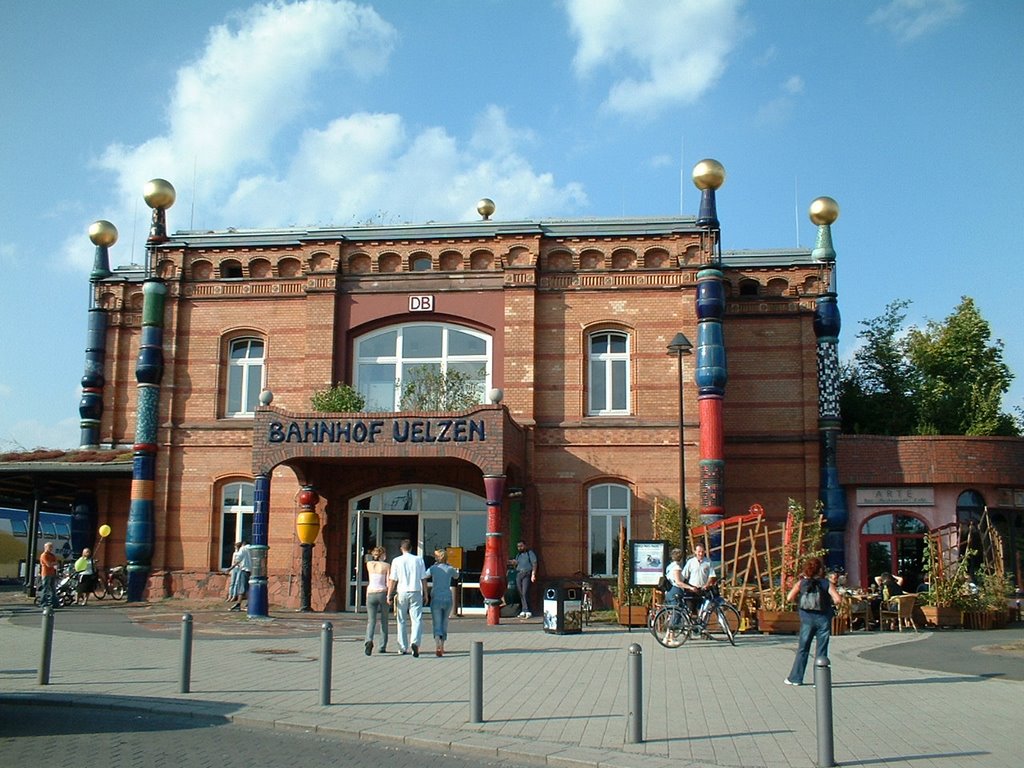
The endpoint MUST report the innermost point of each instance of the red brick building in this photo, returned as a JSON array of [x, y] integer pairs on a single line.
[[562, 326]]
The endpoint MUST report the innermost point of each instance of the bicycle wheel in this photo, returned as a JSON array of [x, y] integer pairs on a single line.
[[99, 590], [117, 589], [729, 620], [671, 628]]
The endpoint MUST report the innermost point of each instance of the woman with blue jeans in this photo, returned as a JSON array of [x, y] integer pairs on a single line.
[[814, 624], [377, 599], [441, 576]]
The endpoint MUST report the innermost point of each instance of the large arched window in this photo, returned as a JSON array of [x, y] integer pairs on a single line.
[[236, 512], [386, 358], [609, 374], [245, 377], [893, 543], [608, 505]]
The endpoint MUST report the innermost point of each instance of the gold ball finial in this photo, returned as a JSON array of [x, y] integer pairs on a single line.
[[158, 193], [708, 174], [823, 210], [485, 207], [103, 233]]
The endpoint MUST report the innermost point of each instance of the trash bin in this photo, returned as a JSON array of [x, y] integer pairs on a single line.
[[562, 608]]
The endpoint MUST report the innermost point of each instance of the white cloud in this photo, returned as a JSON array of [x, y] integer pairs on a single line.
[[778, 110], [670, 52], [28, 435], [794, 85], [908, 20], [232, 113]]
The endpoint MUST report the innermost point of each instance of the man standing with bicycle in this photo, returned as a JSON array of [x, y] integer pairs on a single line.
[[697, 574]]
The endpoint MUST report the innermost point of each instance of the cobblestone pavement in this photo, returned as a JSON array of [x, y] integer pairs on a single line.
[[547, 699]]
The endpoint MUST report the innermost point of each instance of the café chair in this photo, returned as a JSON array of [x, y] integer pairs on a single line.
[[898, 612], [861, 610]]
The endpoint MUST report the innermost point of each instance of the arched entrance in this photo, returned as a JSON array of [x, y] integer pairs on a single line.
[[432, 517], [893, 542]]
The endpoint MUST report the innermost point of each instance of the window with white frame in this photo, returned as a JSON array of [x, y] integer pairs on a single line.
[[608, 374], [608, 506], [245, 376], [236, 515], [385, 357]]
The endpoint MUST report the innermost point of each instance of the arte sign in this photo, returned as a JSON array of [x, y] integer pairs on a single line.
[[372, 431], [900, 497]]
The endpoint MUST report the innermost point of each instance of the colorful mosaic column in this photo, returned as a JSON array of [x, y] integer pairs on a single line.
[[90, 408], [149, 369], [257, 603], [307, 526], [492, 579], [824, 211], [711, 373]]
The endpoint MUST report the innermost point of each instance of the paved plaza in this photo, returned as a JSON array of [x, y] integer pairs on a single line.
[[946, 700]]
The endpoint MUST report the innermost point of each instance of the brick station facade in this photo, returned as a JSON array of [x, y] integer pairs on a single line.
[[568, 323]]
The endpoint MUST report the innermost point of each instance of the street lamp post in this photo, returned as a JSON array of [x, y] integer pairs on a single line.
[[679, 346]]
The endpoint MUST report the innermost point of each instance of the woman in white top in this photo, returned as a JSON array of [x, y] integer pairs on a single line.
[[377, 599]]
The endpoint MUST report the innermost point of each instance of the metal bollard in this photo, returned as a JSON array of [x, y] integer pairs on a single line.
[[635, 715], [44, 661], [185, 678], [476, 682], [823, 712], [326, 652]]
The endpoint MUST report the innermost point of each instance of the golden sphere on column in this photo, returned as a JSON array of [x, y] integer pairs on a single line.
[[158, 193], [103, 233], [708, 174], [485, 207], [823, 210]]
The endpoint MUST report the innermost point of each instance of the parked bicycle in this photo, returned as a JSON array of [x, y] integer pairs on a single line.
[[672, 624], [114, 583]]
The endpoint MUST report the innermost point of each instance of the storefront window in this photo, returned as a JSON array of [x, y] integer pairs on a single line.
[[893, 543]]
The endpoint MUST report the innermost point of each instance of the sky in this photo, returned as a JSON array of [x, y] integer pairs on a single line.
[[333, 113]]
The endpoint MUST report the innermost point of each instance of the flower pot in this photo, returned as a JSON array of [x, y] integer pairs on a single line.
[[977, 620], [778, 622], [942, 616]]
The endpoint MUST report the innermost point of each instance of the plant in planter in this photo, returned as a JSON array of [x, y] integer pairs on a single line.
[[944, 602], [994, 591], [801, 540]]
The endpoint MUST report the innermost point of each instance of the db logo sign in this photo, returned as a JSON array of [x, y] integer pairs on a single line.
[[421, 303]]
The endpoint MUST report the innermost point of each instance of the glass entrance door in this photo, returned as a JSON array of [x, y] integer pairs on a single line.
[[367, 534]]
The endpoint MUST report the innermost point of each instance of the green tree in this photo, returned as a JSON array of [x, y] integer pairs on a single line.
[[341, 398], [428, 388], [878, 389], [948, 378], [963, 376]]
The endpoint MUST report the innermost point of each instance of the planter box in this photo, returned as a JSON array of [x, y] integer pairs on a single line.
[[977, 620], [632, 615], [942, 616], [778, 622]]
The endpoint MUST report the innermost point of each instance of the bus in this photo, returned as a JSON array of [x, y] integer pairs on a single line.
[[14, 524]]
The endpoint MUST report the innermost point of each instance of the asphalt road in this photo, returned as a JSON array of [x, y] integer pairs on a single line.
[[33, 736]]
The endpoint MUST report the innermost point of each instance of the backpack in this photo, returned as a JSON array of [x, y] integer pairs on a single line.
[[810, 596], [664, 585]]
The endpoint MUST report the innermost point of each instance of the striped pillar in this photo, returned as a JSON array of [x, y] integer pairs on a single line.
[[90, 408], [711, 371], [258, 602], [493, 580], [827, 324], [149, 370]]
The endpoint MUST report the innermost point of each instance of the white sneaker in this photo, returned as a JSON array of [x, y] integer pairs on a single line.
[[527, 615], [521, 615], [790, 682]]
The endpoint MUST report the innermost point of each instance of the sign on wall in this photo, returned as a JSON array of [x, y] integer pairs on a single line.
[[421, 303], [900, 497]]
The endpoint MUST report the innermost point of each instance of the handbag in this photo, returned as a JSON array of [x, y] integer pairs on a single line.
[[664, 585]]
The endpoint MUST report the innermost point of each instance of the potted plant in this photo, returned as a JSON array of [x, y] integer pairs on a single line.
[[801, 540], [994, 589], [942, 604]]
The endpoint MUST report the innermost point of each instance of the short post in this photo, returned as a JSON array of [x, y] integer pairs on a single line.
[[823, 712], [635, 715], [326, 652], [476, 682], [44, 661], [185, 678]]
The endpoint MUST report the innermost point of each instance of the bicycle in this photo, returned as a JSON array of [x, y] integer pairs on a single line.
[[672, 625], [587, 601], [115, 583]]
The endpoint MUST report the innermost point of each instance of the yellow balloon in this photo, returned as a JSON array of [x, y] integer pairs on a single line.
[[104, 531]]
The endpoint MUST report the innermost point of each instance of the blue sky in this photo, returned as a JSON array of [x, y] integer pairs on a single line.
[[908, 112]]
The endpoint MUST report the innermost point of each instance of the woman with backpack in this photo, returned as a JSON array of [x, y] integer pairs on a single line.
[[816, 598]]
